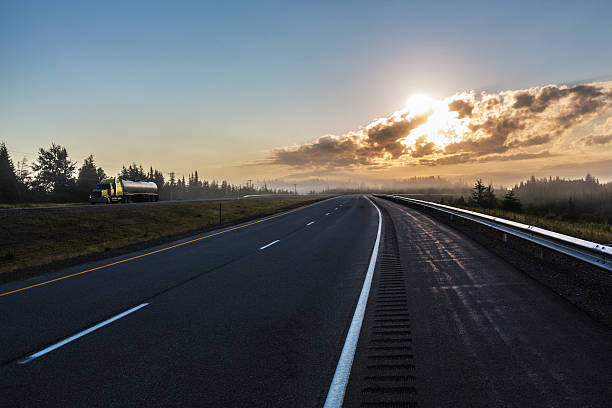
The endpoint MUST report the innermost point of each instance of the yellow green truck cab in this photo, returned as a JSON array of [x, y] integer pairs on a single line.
[[116, 190]]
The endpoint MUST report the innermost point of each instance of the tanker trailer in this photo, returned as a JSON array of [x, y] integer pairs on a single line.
[[116, 190]]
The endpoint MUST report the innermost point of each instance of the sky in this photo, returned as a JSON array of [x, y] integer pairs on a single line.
[[284, 90]]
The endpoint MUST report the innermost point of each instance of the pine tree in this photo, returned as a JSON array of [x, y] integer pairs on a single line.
[[511, 202], [490, 201], [158, 178], [23, 172], [9, 185], [478, 194], [24, 179], [89, 176], [100, 173], [134, 172]]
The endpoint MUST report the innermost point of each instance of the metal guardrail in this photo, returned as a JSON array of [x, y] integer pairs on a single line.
[[587, 251]]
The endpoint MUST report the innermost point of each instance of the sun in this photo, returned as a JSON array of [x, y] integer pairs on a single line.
[[419, 103], [441, 127]]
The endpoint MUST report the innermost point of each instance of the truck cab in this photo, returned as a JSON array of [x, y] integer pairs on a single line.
[[107, 191]]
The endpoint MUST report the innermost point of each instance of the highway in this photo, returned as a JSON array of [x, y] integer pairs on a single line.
[[257, 315]]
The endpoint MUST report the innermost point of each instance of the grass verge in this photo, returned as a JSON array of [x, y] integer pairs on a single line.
[[36, 205], [29, 241], [599, 232], [591, 231]]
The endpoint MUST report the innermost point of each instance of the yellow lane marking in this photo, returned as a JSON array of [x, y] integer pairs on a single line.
[[152, 252]]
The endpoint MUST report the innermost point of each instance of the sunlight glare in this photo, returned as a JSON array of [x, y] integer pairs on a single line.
[[419, 104], [442, 125]]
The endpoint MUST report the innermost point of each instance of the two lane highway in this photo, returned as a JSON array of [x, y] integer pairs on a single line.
[[255, 316]]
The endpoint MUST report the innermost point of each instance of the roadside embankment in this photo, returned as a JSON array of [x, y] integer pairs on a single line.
[[34, 242]]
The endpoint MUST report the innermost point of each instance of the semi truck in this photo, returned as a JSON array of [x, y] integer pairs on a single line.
[[116, 190]]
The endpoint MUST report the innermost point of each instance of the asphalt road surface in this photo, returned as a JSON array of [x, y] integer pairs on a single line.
[[480, 333], [257, 317], [227, 323]]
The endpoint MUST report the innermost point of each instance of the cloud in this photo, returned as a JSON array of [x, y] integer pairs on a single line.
[[532, 141], [465, 128], [333, 151], [597, 140], [471, 157], [517, 156], [377, 145], [495, 133], [452, 159], [385, 136], [422, 147], [601, 135], [464, 108], [531, 117]]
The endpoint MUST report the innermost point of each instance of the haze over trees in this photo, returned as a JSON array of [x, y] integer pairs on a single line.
[[584, 199], [580, 199], [416, 185]]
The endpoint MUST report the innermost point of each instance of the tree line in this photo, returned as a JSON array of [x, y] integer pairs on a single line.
[[584, 199], [54, 177]]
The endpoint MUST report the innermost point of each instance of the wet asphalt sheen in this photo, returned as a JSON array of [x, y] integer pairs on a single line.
[[487, 335]]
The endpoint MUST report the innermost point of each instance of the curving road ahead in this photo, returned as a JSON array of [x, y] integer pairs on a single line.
[[257, 315]]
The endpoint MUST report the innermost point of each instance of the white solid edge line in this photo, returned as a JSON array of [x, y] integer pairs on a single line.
[[270, 244], [80, 334], [335, 395], [310, 223]]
